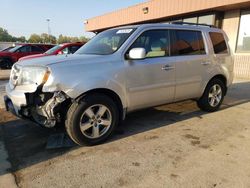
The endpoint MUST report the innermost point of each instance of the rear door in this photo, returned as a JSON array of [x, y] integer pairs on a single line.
[[192, 62], [151, 81]]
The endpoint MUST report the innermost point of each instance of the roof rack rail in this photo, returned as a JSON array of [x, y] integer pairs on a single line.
[[196, 24]]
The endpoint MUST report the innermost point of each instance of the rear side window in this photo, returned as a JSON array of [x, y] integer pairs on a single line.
[[185, 42], [219, 43]]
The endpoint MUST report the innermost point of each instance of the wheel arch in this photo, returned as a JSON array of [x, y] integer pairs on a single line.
[[108, 92], [220, 77], [9, 58]]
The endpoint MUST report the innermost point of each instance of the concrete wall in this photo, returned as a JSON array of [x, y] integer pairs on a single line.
[[242, 65], [241, 60], [4, 45], [230, 26]]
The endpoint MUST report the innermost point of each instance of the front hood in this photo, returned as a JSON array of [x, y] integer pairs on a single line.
[[49, 60]]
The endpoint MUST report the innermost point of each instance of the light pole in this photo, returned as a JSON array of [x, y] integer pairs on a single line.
[[48, 20]]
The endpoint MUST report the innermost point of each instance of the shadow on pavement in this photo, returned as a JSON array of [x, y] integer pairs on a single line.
[[26, 143]]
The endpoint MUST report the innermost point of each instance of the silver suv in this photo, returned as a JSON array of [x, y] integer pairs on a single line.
[[119, 71]]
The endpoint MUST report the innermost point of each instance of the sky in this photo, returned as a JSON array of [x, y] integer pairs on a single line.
[[22, 18]]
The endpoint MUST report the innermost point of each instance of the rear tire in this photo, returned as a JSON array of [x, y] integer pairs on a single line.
[[92, 120], [213, 96]]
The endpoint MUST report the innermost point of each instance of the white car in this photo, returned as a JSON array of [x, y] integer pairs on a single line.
[[119, 71]]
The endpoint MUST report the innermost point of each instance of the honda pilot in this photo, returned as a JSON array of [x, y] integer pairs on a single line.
[[119, 71]]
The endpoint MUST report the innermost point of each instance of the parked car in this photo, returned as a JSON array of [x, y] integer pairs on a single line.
[[9, 57], [119, 71], [66, 48]]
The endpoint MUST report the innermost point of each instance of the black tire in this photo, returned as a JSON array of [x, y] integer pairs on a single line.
[[204, 102], [6, 63], [78, 109]]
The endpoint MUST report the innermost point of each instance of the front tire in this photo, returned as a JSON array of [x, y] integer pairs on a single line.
[[6, 63], [213, 96], [92, 120]]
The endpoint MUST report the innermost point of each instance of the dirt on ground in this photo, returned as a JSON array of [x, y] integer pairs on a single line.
[[5, 117], [174, 145]]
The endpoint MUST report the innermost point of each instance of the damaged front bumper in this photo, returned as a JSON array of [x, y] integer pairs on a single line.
[[45, 109]]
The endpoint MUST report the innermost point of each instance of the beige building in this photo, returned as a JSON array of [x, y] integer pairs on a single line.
[[233, 16]]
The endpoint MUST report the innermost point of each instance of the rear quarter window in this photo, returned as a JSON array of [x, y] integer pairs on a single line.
[[219, 43]]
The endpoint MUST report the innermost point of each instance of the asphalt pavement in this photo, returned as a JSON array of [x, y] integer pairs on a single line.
[[2, 92], [174, 145]]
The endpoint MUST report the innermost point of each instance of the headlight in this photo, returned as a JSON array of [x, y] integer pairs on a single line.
[[33, 75]]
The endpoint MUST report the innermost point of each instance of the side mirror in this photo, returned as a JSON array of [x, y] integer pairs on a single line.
[[137, 53], [60, 53]]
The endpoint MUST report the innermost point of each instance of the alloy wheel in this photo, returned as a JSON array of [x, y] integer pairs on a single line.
[[95, 121], [215, 95]]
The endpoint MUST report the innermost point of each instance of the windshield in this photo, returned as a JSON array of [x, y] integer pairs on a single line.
[[52, 50], [15, 48], [7, 49], [106, 42]]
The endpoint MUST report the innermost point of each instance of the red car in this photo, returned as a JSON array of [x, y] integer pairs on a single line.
[[66, 48], [8, 58]]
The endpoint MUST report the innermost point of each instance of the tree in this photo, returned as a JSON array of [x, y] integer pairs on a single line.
[[74, 39], [83, 39], [5, 36], [63, 39], [35, 38], [48, 38], [43, 38], [21, 39]]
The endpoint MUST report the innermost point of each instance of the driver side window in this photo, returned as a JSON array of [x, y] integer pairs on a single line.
[[155, 42]]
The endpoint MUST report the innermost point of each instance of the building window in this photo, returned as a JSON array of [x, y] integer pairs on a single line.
[[203, 19], [243, 42], [208, 19], [190, 20]]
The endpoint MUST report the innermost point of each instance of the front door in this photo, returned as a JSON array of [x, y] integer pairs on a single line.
[[151, 81]]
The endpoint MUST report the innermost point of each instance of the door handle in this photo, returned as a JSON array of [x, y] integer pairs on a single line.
[[206, 63], [167, 67]]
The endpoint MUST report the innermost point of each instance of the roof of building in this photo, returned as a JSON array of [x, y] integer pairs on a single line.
[[154, 10]]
